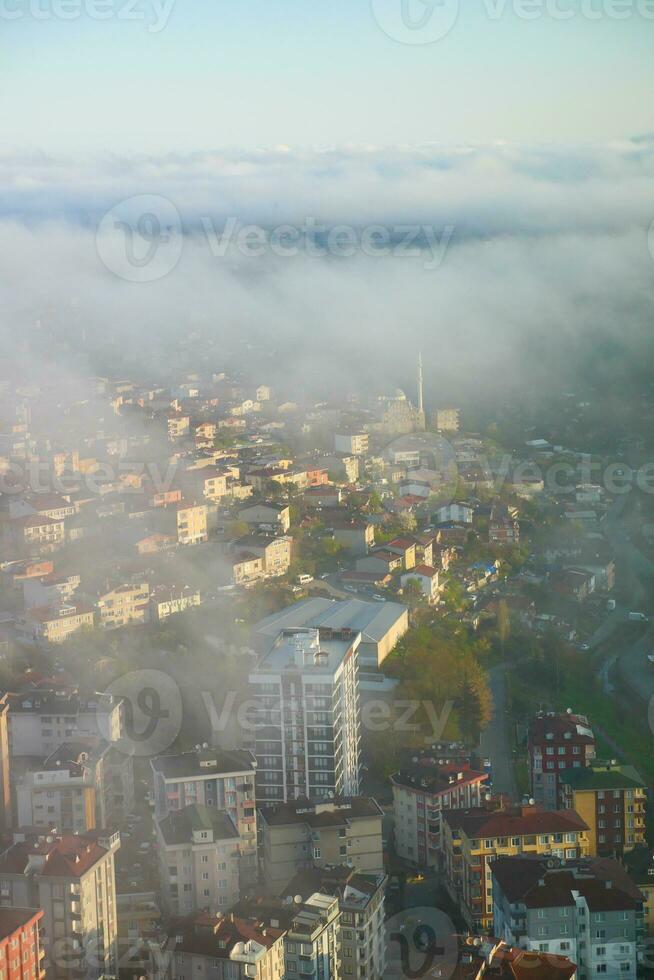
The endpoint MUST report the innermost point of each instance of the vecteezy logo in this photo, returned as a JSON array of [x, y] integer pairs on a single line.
[[425, 466], [140, 239], [416, 21], [151, 712], [420, 942]]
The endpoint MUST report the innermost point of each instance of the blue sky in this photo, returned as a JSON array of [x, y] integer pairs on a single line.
[[305, 73]]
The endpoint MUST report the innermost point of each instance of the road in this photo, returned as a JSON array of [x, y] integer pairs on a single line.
[[494, 743]]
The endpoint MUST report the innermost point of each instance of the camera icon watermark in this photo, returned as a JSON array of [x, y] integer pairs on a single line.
[[140, 239], [420, 942], [416, 21], [151, 713]]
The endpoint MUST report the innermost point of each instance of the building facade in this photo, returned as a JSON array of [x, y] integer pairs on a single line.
[[306, 723], [555, 742], [566, 908], [214, 778], [301, 835], [199, 856], [612, 800], [472, 839], [72, 878]]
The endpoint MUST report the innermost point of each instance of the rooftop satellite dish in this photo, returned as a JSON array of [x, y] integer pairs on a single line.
[[297, 899]]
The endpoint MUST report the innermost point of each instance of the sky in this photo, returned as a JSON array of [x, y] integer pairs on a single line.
[[161, 76], [516, 136]]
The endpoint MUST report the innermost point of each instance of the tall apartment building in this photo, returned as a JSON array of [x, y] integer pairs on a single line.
[[21, 949], [611, 799], [422, 789], [556, 741], [472, 839], [568, 908], [214, 778], [225, 947], [198, 851], [301, 834], [71, 877], [307, 718], [362, 934], [39, 721]]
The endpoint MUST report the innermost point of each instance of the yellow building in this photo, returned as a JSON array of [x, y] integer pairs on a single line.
[[611, 799], [473, 838], [54, 624], [35, 534], [191, 523], [125, 605]]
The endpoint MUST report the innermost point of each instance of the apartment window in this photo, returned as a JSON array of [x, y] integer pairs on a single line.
[[316, 853], [601, 967]]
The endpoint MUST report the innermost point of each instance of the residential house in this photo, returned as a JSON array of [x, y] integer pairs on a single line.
[[225, 947], [167, 600], [362, 938], [472, 839], [272, 517], [423, 788], [198, 854], [34, 535], [555, 742], [213, 778], [40, 720], [566, 908], [275, 552], [351, 443], [611, 798], [426, 578], [503, 526], [54, 624], [126, 605], [302, 834], [573, 583], [71, 877], [311, 944], [380, 561]]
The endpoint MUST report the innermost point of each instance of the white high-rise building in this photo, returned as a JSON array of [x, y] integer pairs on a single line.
[[305, 730]]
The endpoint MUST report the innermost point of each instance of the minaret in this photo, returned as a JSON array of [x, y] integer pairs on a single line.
[[421, 405]]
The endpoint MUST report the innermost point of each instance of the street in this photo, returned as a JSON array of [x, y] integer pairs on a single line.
[[494, 743]]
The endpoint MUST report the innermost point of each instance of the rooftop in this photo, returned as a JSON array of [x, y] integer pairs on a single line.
[[180, 825], [204, 762], [337, 812]]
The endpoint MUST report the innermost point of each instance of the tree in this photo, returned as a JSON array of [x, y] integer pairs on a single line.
[[440, 675]]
